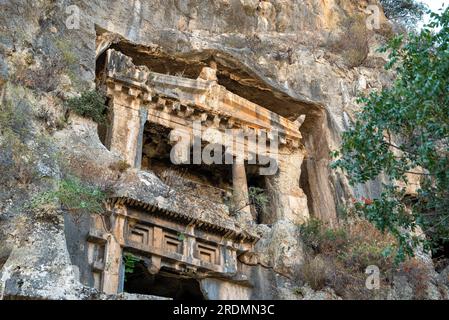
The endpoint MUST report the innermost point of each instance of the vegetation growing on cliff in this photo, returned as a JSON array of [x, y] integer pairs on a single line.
[[130, 261], [338, 257], [90, 104], [406, 12], [74, 196], [258, 198], [403, 132], [18, 141]]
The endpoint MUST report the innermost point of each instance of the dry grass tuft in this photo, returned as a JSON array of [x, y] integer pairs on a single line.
[[120, 166], [417, 274], [338, 257]]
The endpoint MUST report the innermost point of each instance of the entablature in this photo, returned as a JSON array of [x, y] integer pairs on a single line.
[[176, 102]]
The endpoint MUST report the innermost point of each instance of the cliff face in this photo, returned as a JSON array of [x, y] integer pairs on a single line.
[[293, 57], [310, 57]]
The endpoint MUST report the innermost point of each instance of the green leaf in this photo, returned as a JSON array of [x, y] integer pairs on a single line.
[[403, 131]]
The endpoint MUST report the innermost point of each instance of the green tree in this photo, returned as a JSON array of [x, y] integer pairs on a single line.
[[406, 12], [403, 131]]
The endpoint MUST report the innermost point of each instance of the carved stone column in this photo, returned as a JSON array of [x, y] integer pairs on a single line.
[[128, 116], [289, 202], [240, 191]]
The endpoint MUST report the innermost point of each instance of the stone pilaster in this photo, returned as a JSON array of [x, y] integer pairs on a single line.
[[289, 202], [128, 116], [113, 265]]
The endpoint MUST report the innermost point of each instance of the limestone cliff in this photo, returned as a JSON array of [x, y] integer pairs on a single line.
[[295, 58]]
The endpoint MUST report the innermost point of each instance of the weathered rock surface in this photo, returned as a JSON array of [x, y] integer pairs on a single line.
[[290, 56]]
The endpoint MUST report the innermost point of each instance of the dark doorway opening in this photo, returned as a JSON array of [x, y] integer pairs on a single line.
[[212, 182], [163, 284]]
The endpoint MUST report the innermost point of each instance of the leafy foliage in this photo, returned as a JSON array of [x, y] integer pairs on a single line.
[[403, 132], [90, 104], [181, 236], [74, 196], [130, 261], [258, 198], [406, 12]]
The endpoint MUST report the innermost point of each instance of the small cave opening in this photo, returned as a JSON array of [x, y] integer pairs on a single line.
[[163, 284], [206, 181], [102, 129]]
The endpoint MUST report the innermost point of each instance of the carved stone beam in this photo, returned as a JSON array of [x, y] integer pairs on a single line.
[[246, 129], [162, 104], [117, 87], [189, 111], [208, 74], [217, 120], [176, 107], [134, 92], [147, 97], [300, 121], [203, 117]]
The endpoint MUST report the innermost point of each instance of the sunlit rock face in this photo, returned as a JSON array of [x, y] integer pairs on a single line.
[[290, 58]]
